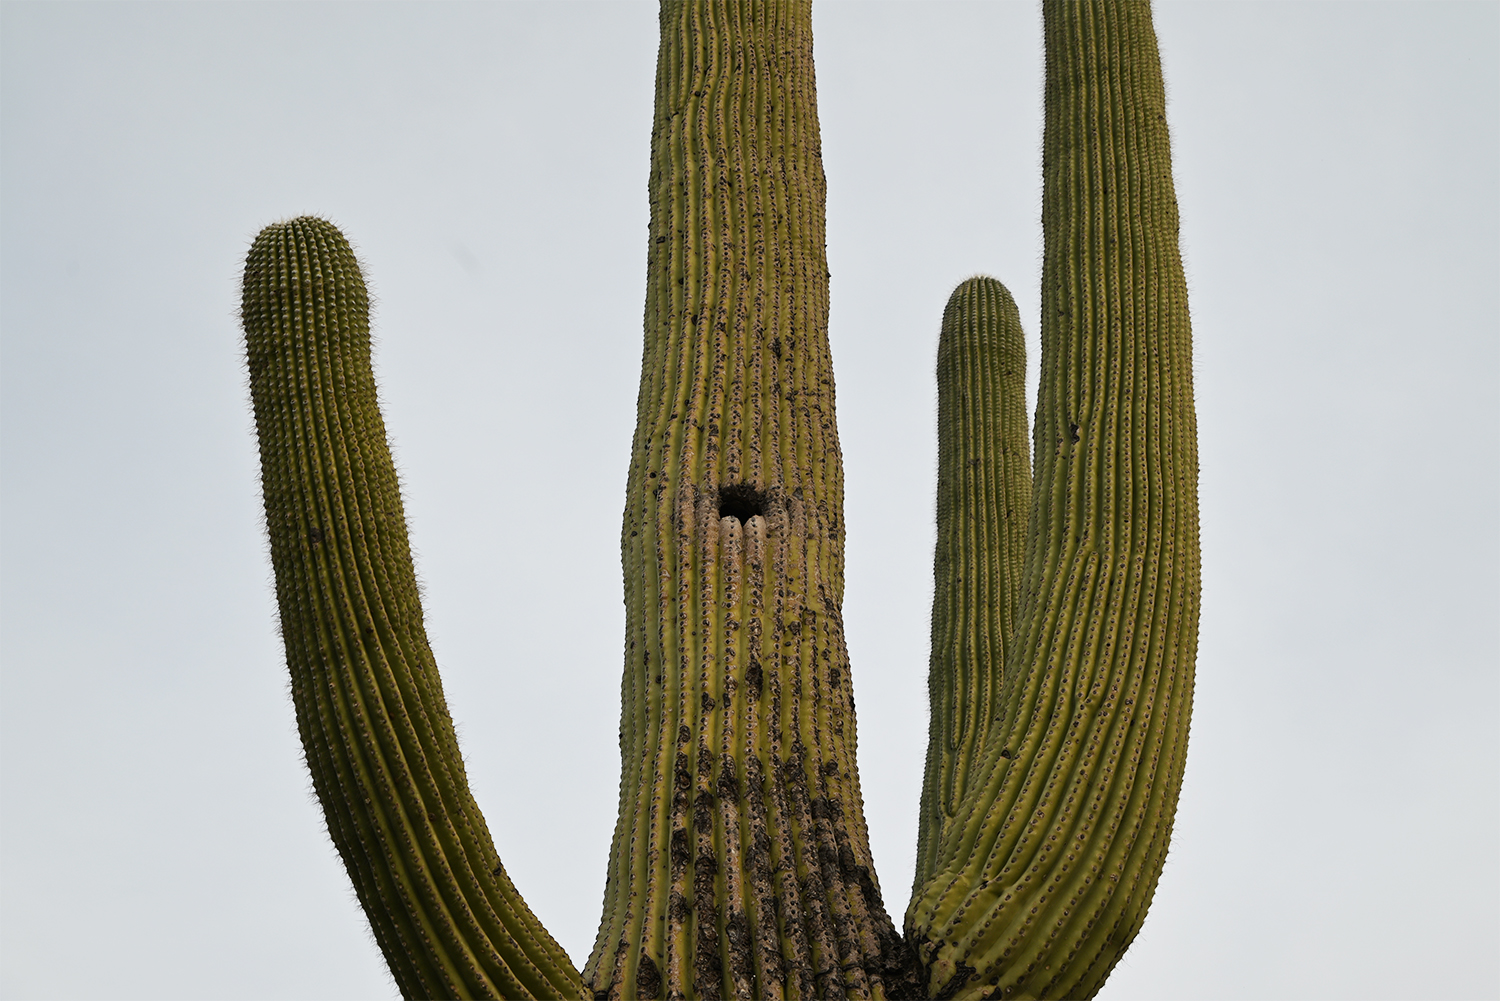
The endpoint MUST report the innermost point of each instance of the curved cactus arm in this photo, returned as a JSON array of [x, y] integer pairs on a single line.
[[983, 497], [1045, 875], [375, 728], [741, 865]]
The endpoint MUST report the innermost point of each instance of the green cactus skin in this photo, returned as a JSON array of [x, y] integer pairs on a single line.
[[1045, 875], [375, 728], [983, 498], [741, 863]]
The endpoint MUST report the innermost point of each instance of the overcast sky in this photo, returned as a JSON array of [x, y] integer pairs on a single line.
[[1338, 169]]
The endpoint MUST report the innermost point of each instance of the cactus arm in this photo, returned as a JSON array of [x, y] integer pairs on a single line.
[[740, 864], [983, 496], [375, 729], [1046, 873]]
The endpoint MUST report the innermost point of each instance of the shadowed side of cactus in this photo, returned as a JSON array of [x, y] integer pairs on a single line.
[[1044, 876], [741, 864], [983, 498], [375, 728]]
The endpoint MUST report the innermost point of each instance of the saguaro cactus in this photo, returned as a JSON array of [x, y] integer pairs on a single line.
[[1062, 664]]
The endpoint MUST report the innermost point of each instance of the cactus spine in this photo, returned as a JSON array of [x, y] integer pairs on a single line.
[[983, 496], [375, 728], [1061, 671], [741, 864], [1045, 874]]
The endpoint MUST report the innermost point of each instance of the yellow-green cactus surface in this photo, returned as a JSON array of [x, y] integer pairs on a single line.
[[1045, 873]]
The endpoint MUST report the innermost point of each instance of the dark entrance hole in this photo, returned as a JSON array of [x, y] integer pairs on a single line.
[[742, 501]]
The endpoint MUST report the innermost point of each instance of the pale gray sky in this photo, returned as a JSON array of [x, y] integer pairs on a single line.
[[1338, 170]]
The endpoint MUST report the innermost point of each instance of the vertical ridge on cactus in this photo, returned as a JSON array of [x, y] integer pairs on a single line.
[[741, 864], [983, 497], [1045, 875], [375, 728]]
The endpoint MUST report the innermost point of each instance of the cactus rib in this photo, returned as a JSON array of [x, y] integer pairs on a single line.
[[1046, 872], [375, 728]]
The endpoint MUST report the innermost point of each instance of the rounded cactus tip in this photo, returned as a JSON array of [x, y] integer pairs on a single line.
[[302, 223], [305, 230], [306, 245], [982, 283], [302, 278]]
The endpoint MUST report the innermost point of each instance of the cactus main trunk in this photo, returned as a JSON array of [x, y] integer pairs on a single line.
[[1045, 874], [375, 727], [741, 864]]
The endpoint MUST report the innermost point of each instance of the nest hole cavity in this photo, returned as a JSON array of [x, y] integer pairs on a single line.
[[742, 501]]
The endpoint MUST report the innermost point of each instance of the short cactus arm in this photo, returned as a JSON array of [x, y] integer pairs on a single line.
[[375, 728], [1045, 875], [983, 497]]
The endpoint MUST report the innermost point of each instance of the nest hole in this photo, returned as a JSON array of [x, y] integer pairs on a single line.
[[741, 501]]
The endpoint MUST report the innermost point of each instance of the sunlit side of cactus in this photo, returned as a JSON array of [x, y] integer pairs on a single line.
[[1044, 876]]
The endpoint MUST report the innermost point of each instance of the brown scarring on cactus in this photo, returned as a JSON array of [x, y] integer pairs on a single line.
[[1062, 664], [736, 672]]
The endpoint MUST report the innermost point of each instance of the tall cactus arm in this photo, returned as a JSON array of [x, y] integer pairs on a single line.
[[983, 497], [1045, 875], [741, 864], [375, 728]]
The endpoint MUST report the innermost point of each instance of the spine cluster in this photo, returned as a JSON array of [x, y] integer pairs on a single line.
[[1045, 873], [375, 728], [740, 865]]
